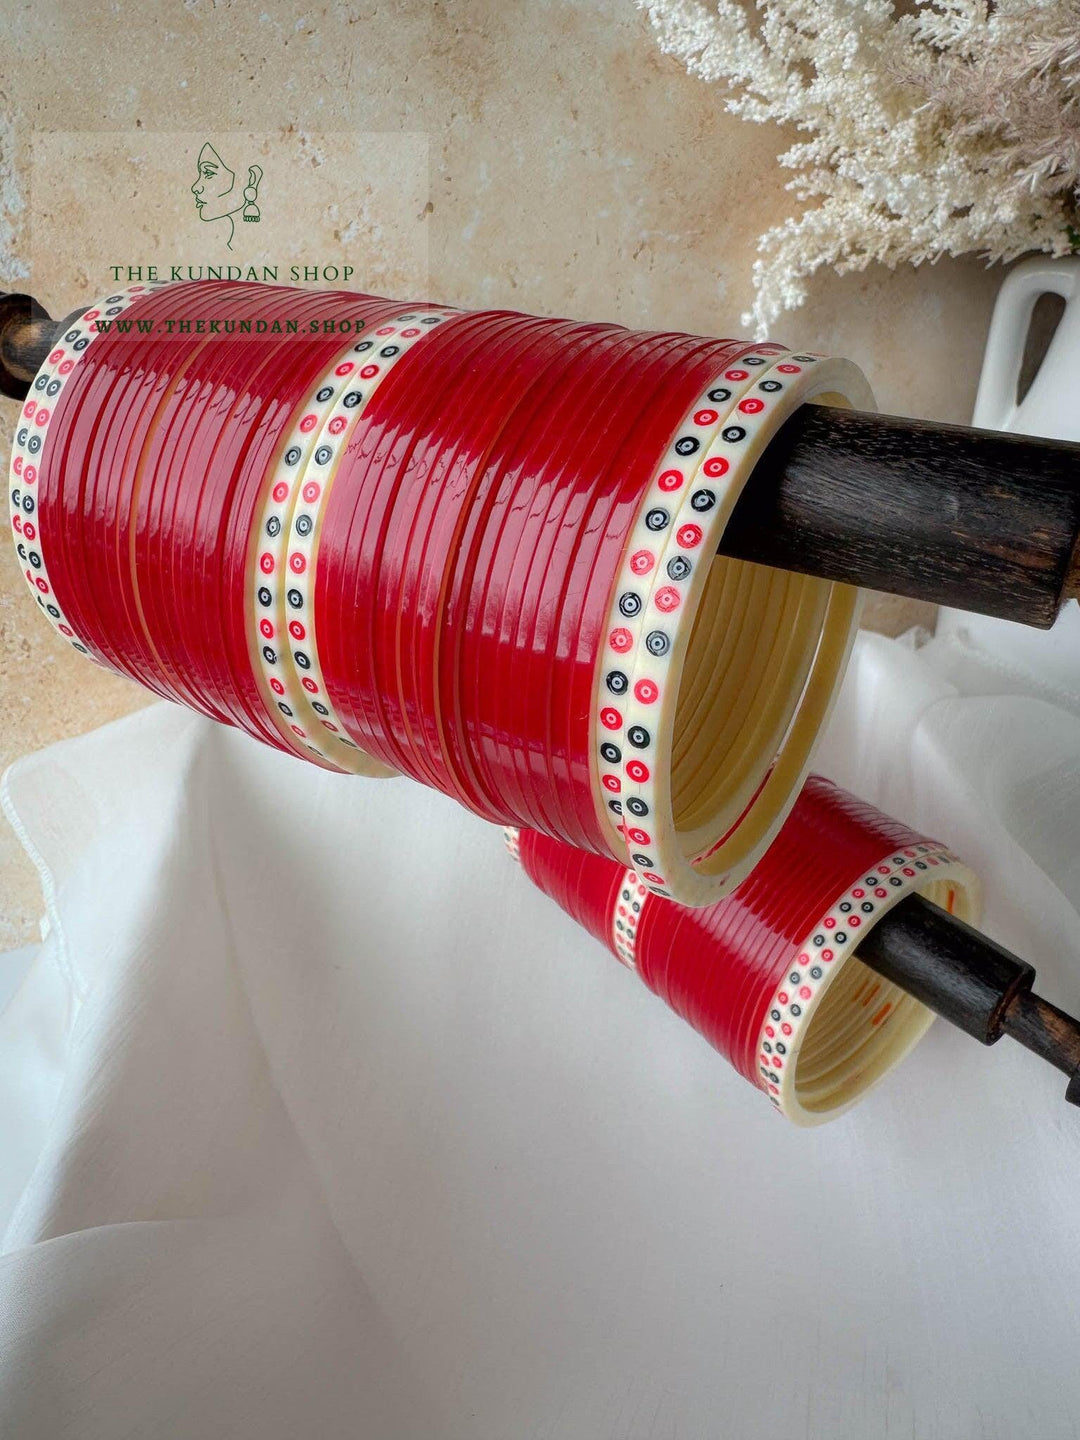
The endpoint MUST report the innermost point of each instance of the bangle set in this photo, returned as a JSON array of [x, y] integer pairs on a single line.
[[480, 549], [770, 975]]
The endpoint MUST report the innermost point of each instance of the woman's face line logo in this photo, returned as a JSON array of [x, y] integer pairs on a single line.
[[216, 194]]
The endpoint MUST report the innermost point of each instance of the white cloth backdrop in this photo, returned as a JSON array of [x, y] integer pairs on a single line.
[[316, 1120]]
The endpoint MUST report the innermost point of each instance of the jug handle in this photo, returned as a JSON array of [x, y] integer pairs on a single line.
[[996, 406]]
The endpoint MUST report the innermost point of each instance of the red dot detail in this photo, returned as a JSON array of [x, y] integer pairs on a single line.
[[688, 536], [647, 691]]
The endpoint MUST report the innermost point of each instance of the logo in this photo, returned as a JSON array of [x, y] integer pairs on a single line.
[[217, 196]]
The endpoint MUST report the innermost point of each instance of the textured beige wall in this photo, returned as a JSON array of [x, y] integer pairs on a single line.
[[565, 167]]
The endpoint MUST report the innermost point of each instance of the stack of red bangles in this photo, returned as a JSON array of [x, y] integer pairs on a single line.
[[770, 975], [478, 549]]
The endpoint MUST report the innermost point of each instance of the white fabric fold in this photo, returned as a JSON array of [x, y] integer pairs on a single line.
[[316, 1119]]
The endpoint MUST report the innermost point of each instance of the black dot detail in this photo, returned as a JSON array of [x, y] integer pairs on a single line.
[[657, 643], [733, 434]]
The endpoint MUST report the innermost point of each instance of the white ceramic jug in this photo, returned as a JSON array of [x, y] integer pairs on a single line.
[[1052, 406]]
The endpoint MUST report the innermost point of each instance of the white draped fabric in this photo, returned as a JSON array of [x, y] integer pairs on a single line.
[[317, 1120]]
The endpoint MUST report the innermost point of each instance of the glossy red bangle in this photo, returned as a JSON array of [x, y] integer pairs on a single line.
[[94, 408], [498, 508], [358, 528], [488, 409], [770, 975], [163, 496], [239, 392]]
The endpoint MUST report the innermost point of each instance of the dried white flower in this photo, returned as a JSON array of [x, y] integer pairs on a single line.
[[951, 129]]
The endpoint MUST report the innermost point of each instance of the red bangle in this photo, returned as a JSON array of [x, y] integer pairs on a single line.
[[31, 445], [510, 598], [286, 524], [497, 503], [163, 499], [488, 408], [576, 642], [157, 372], [224, 427], [769, 975], [309, 356], [358, 527], [471, 642], [86, 413]]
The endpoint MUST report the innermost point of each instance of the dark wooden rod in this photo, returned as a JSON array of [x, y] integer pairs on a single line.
[[979, 519], [973, 518], [972, 982]]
